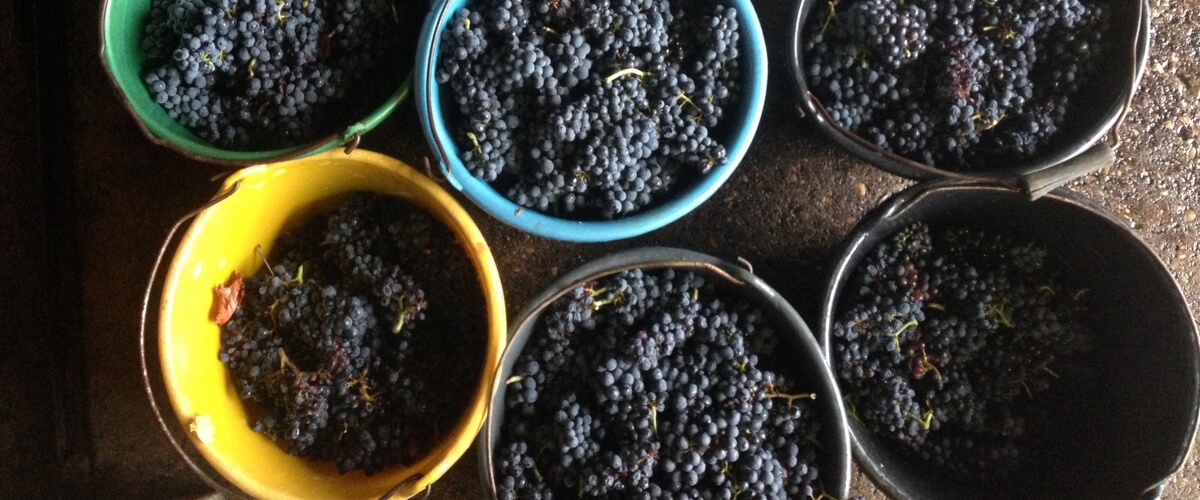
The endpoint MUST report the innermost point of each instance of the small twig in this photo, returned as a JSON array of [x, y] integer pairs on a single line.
[[258, 250], [896, 335], [475, 142], [924, 420], [626, 71]]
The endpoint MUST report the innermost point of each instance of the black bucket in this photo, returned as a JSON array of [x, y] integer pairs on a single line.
[[1139, 424], [809, 366], [1076, 150]]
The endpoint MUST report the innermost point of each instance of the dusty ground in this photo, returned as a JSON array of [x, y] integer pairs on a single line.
[[785, 209]]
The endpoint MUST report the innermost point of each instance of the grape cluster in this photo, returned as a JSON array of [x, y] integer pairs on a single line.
[[651, 384], [949, 346], [273, 73], [339, 345], [595, 110], [957, 84]]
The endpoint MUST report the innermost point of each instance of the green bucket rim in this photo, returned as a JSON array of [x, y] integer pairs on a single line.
[[166, 132]]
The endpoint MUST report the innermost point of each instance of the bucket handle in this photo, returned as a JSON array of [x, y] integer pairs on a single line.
[[1039, 183], [403, 484], [146, 382], [208, 478], [437, 16], [1100, 155], [1154, 492]]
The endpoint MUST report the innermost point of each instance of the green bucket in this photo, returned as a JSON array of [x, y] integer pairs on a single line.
[[122, 24]]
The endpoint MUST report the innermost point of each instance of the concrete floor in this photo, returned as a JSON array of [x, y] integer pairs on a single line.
[[785, 209]]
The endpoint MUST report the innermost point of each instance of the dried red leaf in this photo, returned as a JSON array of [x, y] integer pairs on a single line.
[[228, 298]]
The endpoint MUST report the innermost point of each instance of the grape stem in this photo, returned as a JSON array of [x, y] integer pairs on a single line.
[[258, 250], [928, 365], [1048, 370], [831, 18], [299, 279], [654, 417], [614, 298], [475, 143], [896, 335], [363, 387], [737, 490], [1024, 386], [772, 393], [1000, 313], [925, 419], [626, 71], [687, 100], [285, 362], [401, 314]]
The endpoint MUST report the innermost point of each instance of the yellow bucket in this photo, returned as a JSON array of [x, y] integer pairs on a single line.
[[266, 199]]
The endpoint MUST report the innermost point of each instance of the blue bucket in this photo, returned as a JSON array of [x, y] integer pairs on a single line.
[[746, 115]]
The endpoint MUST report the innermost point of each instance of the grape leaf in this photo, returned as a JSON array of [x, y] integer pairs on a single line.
[[228, 298]]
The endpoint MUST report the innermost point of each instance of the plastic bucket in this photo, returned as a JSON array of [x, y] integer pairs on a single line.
[[219, 241], [1139, 425], [437, 133], [122, 24], [809, 366], [1074, 152]]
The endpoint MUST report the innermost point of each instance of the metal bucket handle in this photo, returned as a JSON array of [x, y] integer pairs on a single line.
[[211, 479], [641, 258], [437, 16]]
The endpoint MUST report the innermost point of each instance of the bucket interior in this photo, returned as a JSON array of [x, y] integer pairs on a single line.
[[1133, 427], [806, 368], [122, 29], [222, 239], [1092, 111], [737, 131]]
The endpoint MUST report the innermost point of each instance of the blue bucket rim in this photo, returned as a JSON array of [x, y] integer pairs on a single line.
[[428, 100]]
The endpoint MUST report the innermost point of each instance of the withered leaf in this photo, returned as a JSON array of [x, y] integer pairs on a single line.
[[228, 298]]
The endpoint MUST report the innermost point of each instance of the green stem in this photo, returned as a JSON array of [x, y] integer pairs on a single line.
[[299, 279], [475, 143], [626, 71], [896, 335], [615, 298], [401, 314], [1000, 313], [925, 419], [831, 18]]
